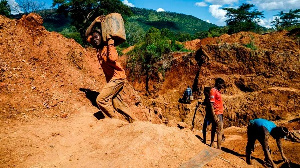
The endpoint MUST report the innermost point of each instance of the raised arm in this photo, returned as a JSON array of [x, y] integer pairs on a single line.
[[90, 28]]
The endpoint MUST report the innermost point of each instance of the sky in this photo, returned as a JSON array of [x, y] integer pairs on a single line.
[[207, 10]]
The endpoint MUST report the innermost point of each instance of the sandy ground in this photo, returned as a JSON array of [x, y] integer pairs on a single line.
[[81, 140], [46, 121]]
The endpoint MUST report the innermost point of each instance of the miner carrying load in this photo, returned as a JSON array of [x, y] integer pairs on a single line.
[[104, 33]]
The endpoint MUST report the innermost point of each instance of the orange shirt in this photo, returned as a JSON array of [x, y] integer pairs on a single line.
[[108, 58], [216, 99]]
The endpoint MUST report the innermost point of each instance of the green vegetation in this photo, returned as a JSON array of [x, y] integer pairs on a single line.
[[28, 6], [82, 13], [178, 27], [242, 18], [4, 8], [71, 33], [217, 31], [173, 21], [137, 21], [251, 44], [134, 33], [174, 26], [148, 56], [289, 20], [54, 21]]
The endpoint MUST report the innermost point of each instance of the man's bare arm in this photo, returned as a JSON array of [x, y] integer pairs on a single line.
[[90, 28], [212, 111], [265, 147], [112, 51], [279, 145]]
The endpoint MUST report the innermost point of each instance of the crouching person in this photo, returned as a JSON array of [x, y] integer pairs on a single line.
[[260, 129]]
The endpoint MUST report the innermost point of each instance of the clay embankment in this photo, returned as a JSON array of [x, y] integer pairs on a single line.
[[47, 121], [261, 72]]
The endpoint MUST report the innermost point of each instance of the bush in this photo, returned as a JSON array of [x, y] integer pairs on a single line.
[[147, 56], [4, 8], [251, 44], [71, 32]]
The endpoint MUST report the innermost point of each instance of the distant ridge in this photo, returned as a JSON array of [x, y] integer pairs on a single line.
[[174, 21], [146, 18]]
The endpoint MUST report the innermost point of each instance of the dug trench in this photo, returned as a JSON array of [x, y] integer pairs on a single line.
[[48, 116]]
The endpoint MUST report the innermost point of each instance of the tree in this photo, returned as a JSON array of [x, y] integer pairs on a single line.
[[4, 8], [145, 56], [134, 33], [285, 20], [183, 36], [151, 57], [242, 18], [27, 6], [83, 12], [201, 34], [154, 49], [217, 31]]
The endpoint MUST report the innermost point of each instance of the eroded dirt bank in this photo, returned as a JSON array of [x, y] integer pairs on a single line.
[[261, 73], [48, 121]]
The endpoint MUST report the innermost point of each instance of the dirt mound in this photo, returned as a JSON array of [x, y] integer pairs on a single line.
[[48, 86], [192, 45], [83, 141], [262, 77], [43, 74], [261, 72]]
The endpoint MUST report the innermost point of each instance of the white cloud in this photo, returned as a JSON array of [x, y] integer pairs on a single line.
[[267, 22], [160, 10], [217, 12], [207, 21], [201, 4], [283, 5], [128, 3], [14, 6], [222, 2], [264, 23]]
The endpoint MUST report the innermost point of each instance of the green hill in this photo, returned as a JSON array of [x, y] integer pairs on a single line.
[[176, 26], [144, 17], [174, 21]]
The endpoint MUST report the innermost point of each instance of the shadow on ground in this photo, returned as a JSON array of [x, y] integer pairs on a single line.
[[92, 96]]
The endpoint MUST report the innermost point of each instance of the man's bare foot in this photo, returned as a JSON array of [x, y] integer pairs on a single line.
[[131, 120], [212, 145]]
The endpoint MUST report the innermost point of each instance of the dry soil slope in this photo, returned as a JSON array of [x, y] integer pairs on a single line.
[[83, 141], [262, 73], [46, 121], [42, 73]]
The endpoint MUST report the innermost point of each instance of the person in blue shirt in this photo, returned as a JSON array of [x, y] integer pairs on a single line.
[[260, 129], [189, 91], [187, 95]]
